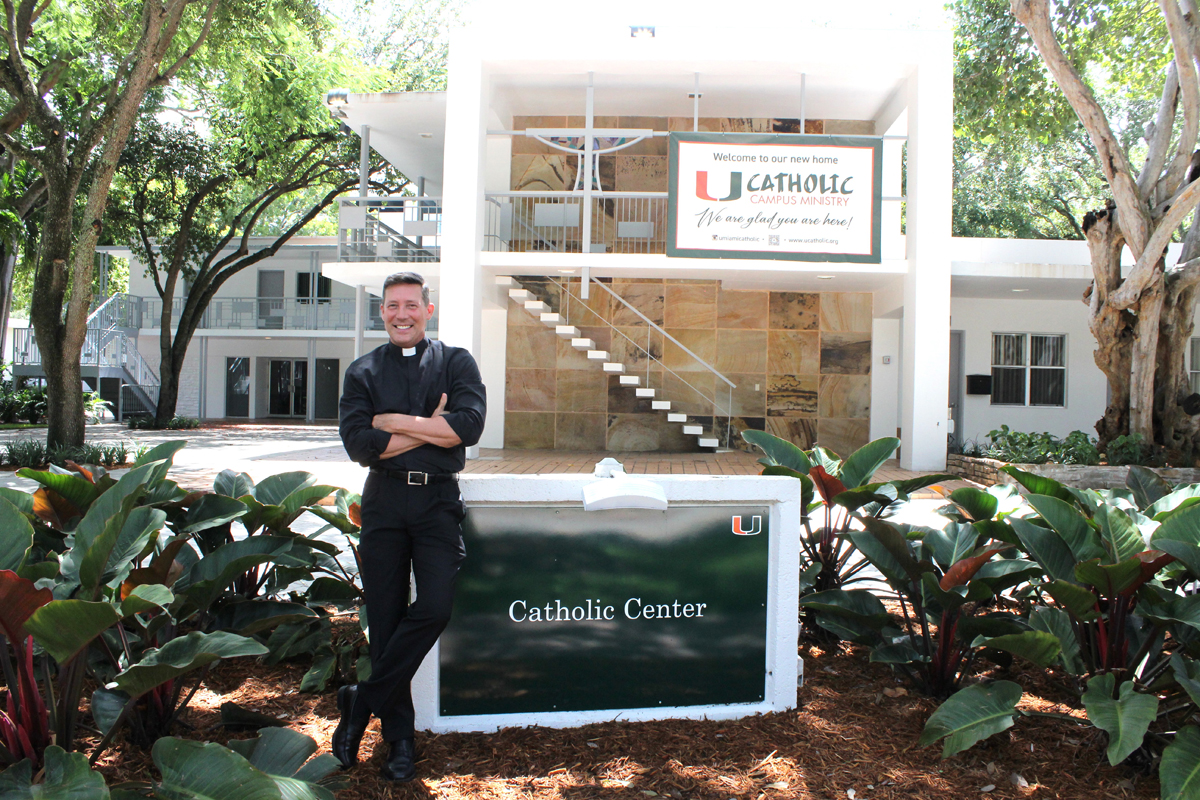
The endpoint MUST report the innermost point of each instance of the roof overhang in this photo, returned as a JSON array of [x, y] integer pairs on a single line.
[[406, 128]]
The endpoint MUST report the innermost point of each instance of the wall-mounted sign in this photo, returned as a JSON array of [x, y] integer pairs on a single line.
[[775, 196], [561, 609]]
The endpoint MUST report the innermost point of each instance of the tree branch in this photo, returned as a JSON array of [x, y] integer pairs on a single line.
[[1134, 220], [164, 77], [1160, 138], [1181, 205], [1189, 86]]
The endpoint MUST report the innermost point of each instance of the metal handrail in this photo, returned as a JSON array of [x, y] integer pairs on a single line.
[[650, 356], [678, 343]]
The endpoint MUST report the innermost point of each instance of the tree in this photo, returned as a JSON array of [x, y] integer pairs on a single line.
[[269, 162], [76, 74], [1142, 321]]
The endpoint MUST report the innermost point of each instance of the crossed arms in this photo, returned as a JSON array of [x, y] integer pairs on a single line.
[[409, 432]]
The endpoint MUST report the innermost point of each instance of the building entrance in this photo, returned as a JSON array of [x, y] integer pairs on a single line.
[[289, 388]]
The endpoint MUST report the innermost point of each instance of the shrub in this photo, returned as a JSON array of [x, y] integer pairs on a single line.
[[176, 423], [1131, 449], [25, 453], [1038, 448]]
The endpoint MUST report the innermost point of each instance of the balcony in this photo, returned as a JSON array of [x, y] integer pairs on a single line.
[[400, 229], [554, 222], [273, 314]]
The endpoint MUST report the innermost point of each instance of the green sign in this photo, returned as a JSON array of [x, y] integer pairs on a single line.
[[561, 609]]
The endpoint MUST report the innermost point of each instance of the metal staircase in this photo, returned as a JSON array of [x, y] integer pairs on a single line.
[[560, 320], [109, 351]]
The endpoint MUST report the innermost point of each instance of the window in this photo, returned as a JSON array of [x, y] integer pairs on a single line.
[[304, 287], [1029, 369]]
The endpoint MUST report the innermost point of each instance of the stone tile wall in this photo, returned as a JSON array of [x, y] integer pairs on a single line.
[[800, 362]]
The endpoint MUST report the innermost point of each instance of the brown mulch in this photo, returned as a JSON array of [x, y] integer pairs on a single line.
[[853, 735]]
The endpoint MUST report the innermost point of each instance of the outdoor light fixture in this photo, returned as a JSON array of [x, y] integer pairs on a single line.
[[641, 31], [1020, 290], [824, 277], [615, 489], [425, 135]]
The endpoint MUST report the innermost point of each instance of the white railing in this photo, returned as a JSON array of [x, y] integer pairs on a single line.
[[101, 348], [270, 313], [118, 311], [402, 229], [621, 222]]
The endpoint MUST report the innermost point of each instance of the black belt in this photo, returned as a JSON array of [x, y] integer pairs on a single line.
[[413, 478]]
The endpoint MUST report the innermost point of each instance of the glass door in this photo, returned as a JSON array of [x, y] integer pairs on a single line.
[[289, 388]]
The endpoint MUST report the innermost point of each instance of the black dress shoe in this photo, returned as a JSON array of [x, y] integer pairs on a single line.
[[401, 766], [351, 727]]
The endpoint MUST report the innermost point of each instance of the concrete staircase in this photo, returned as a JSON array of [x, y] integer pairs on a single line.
[[553, 319]]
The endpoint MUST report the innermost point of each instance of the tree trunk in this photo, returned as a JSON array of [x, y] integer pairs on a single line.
[[168, 395], [8, 263]]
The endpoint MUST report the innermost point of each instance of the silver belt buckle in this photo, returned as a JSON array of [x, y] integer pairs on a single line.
[[417, 479]]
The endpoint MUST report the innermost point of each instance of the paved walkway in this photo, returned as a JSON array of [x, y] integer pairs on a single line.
[[262, 449]]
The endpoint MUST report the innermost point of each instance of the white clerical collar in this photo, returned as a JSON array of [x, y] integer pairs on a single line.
[[408, 351]]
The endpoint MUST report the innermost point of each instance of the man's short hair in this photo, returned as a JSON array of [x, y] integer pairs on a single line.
[[407, 279]]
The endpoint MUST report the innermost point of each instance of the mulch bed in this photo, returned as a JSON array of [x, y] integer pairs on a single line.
[[853, 736]]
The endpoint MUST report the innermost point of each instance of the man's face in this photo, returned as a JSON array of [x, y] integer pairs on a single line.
[[404, 315]]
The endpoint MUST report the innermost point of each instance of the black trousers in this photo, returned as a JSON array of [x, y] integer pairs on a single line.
[[406, 528]]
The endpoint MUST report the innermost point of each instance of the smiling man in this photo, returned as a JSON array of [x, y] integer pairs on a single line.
[[409, 410]]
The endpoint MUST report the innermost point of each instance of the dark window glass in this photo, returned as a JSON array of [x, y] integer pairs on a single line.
[[1047, 387], [1008, 386]]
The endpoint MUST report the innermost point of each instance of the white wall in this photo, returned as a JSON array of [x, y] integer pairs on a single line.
[[1086, 387], [291, 259], [885, 378], [493, 348]]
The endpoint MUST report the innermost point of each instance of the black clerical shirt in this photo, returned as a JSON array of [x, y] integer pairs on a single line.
[[384, 381]]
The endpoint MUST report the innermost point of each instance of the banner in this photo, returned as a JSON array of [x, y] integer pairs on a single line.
[[775, 196], [561, 609]]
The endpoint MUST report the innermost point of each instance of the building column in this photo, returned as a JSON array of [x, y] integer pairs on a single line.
[[360, 318], [926, 327], [460, 300]]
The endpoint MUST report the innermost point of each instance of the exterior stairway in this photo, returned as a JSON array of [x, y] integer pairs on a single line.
[[553, 319]]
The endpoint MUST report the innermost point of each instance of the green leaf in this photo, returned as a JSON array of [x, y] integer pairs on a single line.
[[1118, 534], [863, 462], [211, 511], [141, 524], [901, 652], [1125, 719], [779, 452], [107, 706], [319, 674], [975, 503], [211, 575], [1162, 508], [1057, 623], [1179, 771], [1066, 519], [233, 484], [16, 536], [1181, 527], [1187, 674], [1181, 609], [971, 715], [895, 545], [1146, 485], [68, 777], [953, 543], [909, 485], [1187, 554], [163, 452], [80, 492], [1047, 548], [276, 489], [1036, 484], [283, 752], [146, 597], [251, 617], [1037, 646], [1078, 600], [64, 627], [345, 525], [182, 655], [198, 771], [98, 531], [22, 500], [1109, 579]]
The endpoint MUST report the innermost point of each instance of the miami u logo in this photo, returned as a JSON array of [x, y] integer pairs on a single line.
[[755, 526], [735, 187]]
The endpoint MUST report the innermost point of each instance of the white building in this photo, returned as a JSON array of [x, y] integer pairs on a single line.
[[546, 169]]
